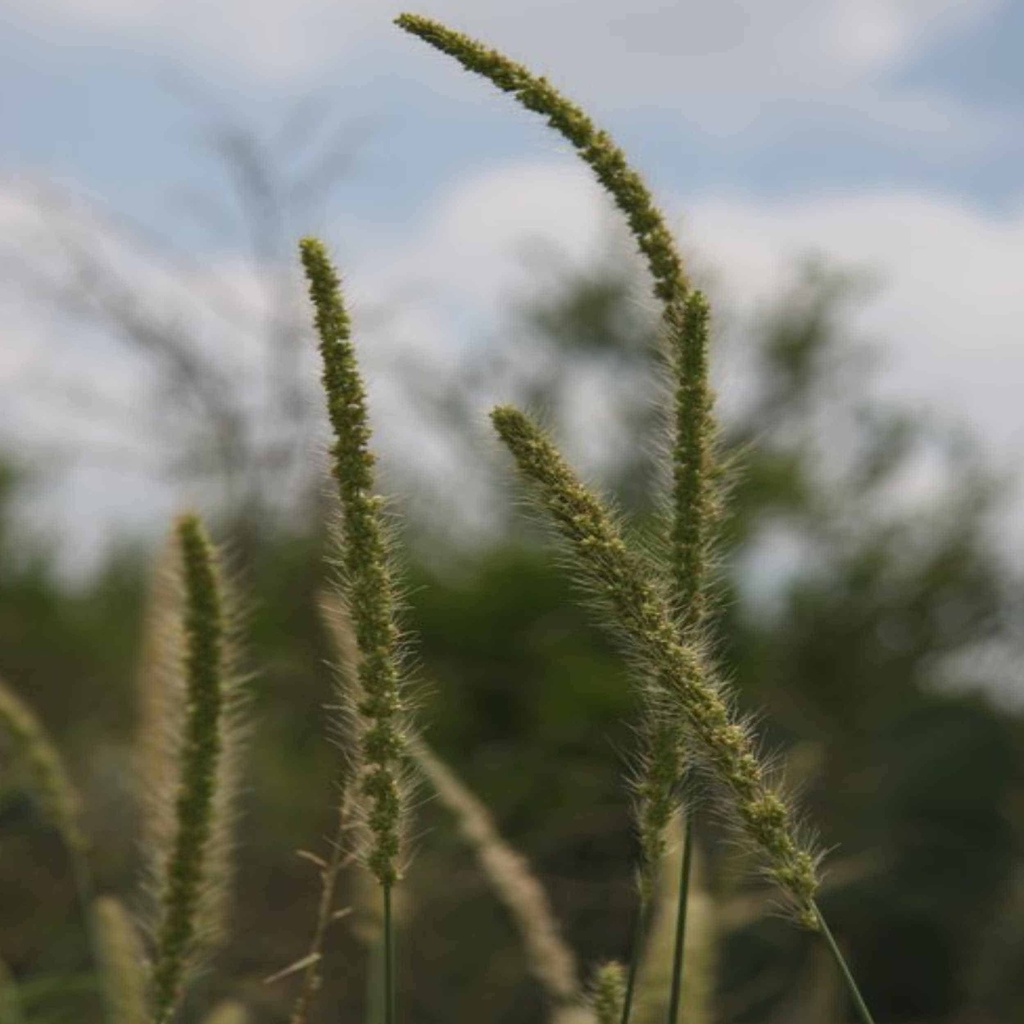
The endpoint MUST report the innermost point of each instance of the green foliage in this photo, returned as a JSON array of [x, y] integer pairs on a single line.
[[531, 703]]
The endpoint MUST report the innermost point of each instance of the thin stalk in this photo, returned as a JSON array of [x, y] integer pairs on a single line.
[[389, 959], [81, 874], [329, 883], [680, 943], [634, 960], [858, 1000], [84, 893], [550, 959], [375, 982]]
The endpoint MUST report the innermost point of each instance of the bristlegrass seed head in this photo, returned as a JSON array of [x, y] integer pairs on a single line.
[[364, 570]]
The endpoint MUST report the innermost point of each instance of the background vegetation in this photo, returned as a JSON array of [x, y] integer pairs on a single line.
[[867, 608]]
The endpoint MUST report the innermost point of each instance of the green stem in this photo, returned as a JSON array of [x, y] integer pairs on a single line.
[[375, 982], [634, 961], [389, 960], [85, 895], [680, 943], [851, 985], [82, 878]]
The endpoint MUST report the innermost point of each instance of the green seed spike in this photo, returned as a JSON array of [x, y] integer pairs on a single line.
[[656, 798], [187, 863], [594, 146], [365, 574], [639, 612], [693, 494], [694, 513], [367, 592], [608, 991], [685, 323]]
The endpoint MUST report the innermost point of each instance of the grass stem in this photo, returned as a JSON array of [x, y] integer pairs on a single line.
[[634, 960], [329, 883], [851, 985], [680, 940], [84, 894], [389, 959]]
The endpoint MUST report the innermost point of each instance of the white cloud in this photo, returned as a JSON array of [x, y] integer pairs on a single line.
[[872, 34], [950, 314], [77, 399], [951, 310], [475, 232], [947, 317]]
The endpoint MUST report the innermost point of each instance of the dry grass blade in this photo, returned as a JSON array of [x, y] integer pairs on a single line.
[[32, 747], [550, 959], [121, 963], [701, 945]]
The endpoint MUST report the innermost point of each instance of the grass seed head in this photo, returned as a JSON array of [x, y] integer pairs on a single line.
[[608, 992], [364, 572], [190, 882], [594, 146], [638, 610], [35, 750]]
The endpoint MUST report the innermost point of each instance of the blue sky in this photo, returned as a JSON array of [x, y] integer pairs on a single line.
[[886, 133], [937, 106], [85, 94]]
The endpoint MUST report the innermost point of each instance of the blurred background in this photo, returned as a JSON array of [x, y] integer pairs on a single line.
[[844, 178]]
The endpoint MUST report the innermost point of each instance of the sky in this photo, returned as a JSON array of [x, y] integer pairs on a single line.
[[883, 134]]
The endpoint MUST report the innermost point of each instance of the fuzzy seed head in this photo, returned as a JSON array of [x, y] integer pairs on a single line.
[[187, 864], [595, 147], [550, 959], [640, 613], [694, 504], [163, 682], [608, 992], [685, 319], [364, 570], [656, 795], [33, 748]]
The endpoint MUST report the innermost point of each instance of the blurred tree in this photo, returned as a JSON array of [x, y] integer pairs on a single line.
[[222, 391], [865, 606]]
